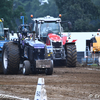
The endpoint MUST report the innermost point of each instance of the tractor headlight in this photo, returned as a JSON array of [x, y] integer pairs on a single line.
[[49, 51], [56, 41]]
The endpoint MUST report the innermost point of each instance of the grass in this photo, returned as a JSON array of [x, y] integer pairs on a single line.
[[95, 65]]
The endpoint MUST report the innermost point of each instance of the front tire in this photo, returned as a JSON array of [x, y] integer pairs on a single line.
[[1, 69], [71, 55], [26, 67], [10, 58], [49, 71]]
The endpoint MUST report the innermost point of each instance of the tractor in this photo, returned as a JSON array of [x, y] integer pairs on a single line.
[[92, 50], [4, 37], [49, 31], [26, 54]]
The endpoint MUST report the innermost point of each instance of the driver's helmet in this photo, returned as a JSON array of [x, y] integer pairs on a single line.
[[24, 31]]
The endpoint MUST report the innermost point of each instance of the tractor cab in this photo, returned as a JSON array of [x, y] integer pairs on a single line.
[[49, 27], [94, 44], [46, 25], [4, 32], [3, 37]]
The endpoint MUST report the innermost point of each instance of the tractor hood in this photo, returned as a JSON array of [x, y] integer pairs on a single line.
[[63, 38], [54, 37], [36, 44]]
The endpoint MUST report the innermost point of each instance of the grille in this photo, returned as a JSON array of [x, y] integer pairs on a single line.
[[56, 44], [39, 54], [57, 55]]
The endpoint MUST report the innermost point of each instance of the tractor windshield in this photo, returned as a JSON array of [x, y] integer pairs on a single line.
[[49, 27], [1, 31]]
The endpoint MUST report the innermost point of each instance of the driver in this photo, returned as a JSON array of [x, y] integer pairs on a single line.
[[24, 32], [46, 29]]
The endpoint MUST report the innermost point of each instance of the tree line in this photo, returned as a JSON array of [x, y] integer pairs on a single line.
[[83, 14]]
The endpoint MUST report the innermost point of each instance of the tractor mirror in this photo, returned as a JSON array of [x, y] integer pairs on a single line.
[[30, 27], [69, 25], [12, 32], [19, 28]]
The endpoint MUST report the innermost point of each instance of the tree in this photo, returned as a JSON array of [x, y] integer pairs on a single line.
[[6, 12], [34, 7], [79, 12], [96, 2], [10, 14]]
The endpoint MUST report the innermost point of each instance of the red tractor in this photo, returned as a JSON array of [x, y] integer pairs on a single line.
[[48, 30]]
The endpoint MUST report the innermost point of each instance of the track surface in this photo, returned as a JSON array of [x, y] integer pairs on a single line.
[[80, 83]]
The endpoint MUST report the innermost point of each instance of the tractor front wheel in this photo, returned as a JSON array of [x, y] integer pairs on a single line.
[[26, 67], [49, 71]]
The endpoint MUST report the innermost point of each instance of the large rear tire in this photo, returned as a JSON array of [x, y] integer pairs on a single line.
[[10, 58], [49, 71], [71, 55]]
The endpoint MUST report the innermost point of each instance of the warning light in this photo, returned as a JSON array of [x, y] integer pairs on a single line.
[[31, 16], [0, 20], [97, 33], [98, 30], [59, 15]]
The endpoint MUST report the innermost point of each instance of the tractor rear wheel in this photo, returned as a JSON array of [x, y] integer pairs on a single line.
[[10, 58], [71, 55]]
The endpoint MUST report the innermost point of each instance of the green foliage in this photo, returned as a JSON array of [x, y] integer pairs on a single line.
[[34, 7], [84, 14], [5, 11], [11, 10], [96, 2], [10, 14], [80, 12]]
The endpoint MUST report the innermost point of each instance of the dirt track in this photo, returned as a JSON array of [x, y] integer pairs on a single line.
[[80, 83]]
